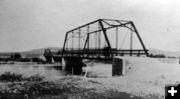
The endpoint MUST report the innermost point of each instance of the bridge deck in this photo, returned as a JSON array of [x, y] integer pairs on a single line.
[[98, 54]]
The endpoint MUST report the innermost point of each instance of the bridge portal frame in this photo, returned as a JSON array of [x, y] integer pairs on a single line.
[[109, 25]]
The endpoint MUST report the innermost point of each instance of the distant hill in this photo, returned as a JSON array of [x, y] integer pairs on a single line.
[[166, 53], [55, 49], [31, 53], [38, 52]]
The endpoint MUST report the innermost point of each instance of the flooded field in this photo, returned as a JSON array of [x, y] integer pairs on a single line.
[[49, 71]]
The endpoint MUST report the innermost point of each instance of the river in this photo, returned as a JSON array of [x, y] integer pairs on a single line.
[[49, 71]]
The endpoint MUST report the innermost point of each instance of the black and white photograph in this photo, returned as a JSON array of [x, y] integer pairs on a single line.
[[89, 49]]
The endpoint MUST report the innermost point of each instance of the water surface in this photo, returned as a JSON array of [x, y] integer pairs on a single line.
[[49, 71]]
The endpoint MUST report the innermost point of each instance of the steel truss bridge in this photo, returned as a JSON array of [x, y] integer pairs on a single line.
[[102, 39]]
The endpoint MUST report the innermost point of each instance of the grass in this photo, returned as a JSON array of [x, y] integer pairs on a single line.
[[31, 89], [16, 86]]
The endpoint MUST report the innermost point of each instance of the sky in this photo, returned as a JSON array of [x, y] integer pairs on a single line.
[[33, 24]]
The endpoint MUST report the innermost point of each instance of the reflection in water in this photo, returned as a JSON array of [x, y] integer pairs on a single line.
[[50, 72]]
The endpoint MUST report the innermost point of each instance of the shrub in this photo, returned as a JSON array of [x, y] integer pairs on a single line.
[[16, 56], [35, 77], [8, 76]]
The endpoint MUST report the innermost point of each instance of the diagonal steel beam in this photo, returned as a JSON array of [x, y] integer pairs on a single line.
[[139, 38], [83, 26], [87, 39], [64, 44], [105, 35], [104, 32]]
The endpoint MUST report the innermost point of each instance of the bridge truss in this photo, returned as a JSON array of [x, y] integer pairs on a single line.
[[104, 38]]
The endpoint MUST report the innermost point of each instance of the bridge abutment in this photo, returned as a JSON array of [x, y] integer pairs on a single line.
[[73, 65], [118, 66], [49, 59]]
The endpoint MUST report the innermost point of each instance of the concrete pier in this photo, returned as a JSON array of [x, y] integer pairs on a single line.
[[118, 66], [73, 65]]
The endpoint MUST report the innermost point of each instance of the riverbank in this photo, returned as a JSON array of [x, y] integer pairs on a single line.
[[71, 87], [145, 78]]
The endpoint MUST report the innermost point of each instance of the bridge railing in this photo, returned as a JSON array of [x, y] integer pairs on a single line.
[[95, 53]]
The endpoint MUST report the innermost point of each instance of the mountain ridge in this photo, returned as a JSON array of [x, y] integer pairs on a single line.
[[166, 53]]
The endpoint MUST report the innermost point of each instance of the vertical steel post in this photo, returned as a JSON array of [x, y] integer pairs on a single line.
[[96, 41], [117, 38], [79, 45], [88, 46], [72, 40], [131, 43], [88, 42], [99, 40]]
